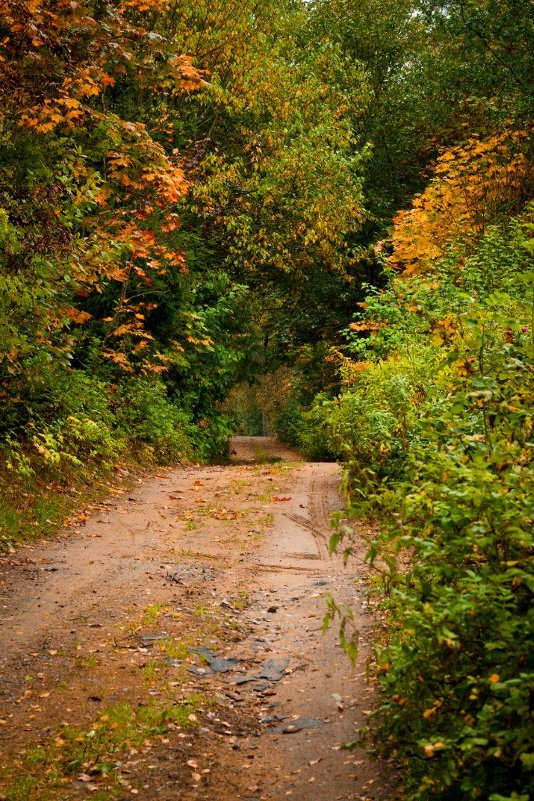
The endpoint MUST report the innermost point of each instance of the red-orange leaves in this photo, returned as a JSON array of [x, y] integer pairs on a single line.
[[189, 77], [86, 90], [77, 316], [367, 325]]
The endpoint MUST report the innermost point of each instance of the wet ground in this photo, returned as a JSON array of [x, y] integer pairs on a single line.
[[199, 594]]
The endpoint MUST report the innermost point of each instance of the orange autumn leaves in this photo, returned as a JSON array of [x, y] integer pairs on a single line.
[[475, 184], [64, 71]]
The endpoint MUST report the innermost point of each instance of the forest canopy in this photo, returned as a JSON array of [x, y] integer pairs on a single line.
[[216, 213]]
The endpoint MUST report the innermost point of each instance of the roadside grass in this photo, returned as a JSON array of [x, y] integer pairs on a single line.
[[31, 515], [38, 504], [239, 485], [87, 662], [173, 648], [152, 613], [274, 489], [262, 457], [92, 755], [95, 755], [196, 516], [191, 554], [279, 467]]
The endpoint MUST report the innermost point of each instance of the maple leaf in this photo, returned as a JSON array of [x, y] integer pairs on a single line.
[[69, 102], [119, 359], [77, 316]]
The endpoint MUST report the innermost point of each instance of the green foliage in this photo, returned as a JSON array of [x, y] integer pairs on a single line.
[[314, 434], [375, 422], [436, 432], [213, 437], [307, 429], [153, 205], [162, 429], [290, 422], [459, 660], [434, 72], [29, 509], [171, 225], [243, 409]]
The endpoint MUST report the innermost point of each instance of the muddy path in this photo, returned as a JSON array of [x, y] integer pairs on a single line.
[[168, 645]]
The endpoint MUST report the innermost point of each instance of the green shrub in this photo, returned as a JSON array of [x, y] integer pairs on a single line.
[[436, 433], [458, 669], [91, 440], [290, 421], [309, 430], [315, 438], [212, 437], [146, 416]]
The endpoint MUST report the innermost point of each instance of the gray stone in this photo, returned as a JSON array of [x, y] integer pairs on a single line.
[[216, 663], [298, 725], [273, 669]]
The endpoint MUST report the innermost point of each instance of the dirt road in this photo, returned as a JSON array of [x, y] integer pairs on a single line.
[[168, 645]]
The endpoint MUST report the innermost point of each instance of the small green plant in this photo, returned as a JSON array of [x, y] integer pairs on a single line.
[[152, 613], [35, 756], [22, 789], [16, 460], [150, 671], [173, 648], [154, 421], [87, 662], [24, 516], [262, 457]]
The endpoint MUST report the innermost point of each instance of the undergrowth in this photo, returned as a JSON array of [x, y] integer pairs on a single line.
[[434, 425], [80, 431]]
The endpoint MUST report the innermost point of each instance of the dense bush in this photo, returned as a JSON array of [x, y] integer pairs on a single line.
[[456, 670], [436, 432], [147, 417], [307, 429], [290, 421], [88, 422]]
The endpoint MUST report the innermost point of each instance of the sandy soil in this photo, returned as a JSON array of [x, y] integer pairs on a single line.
[[139, 600]]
